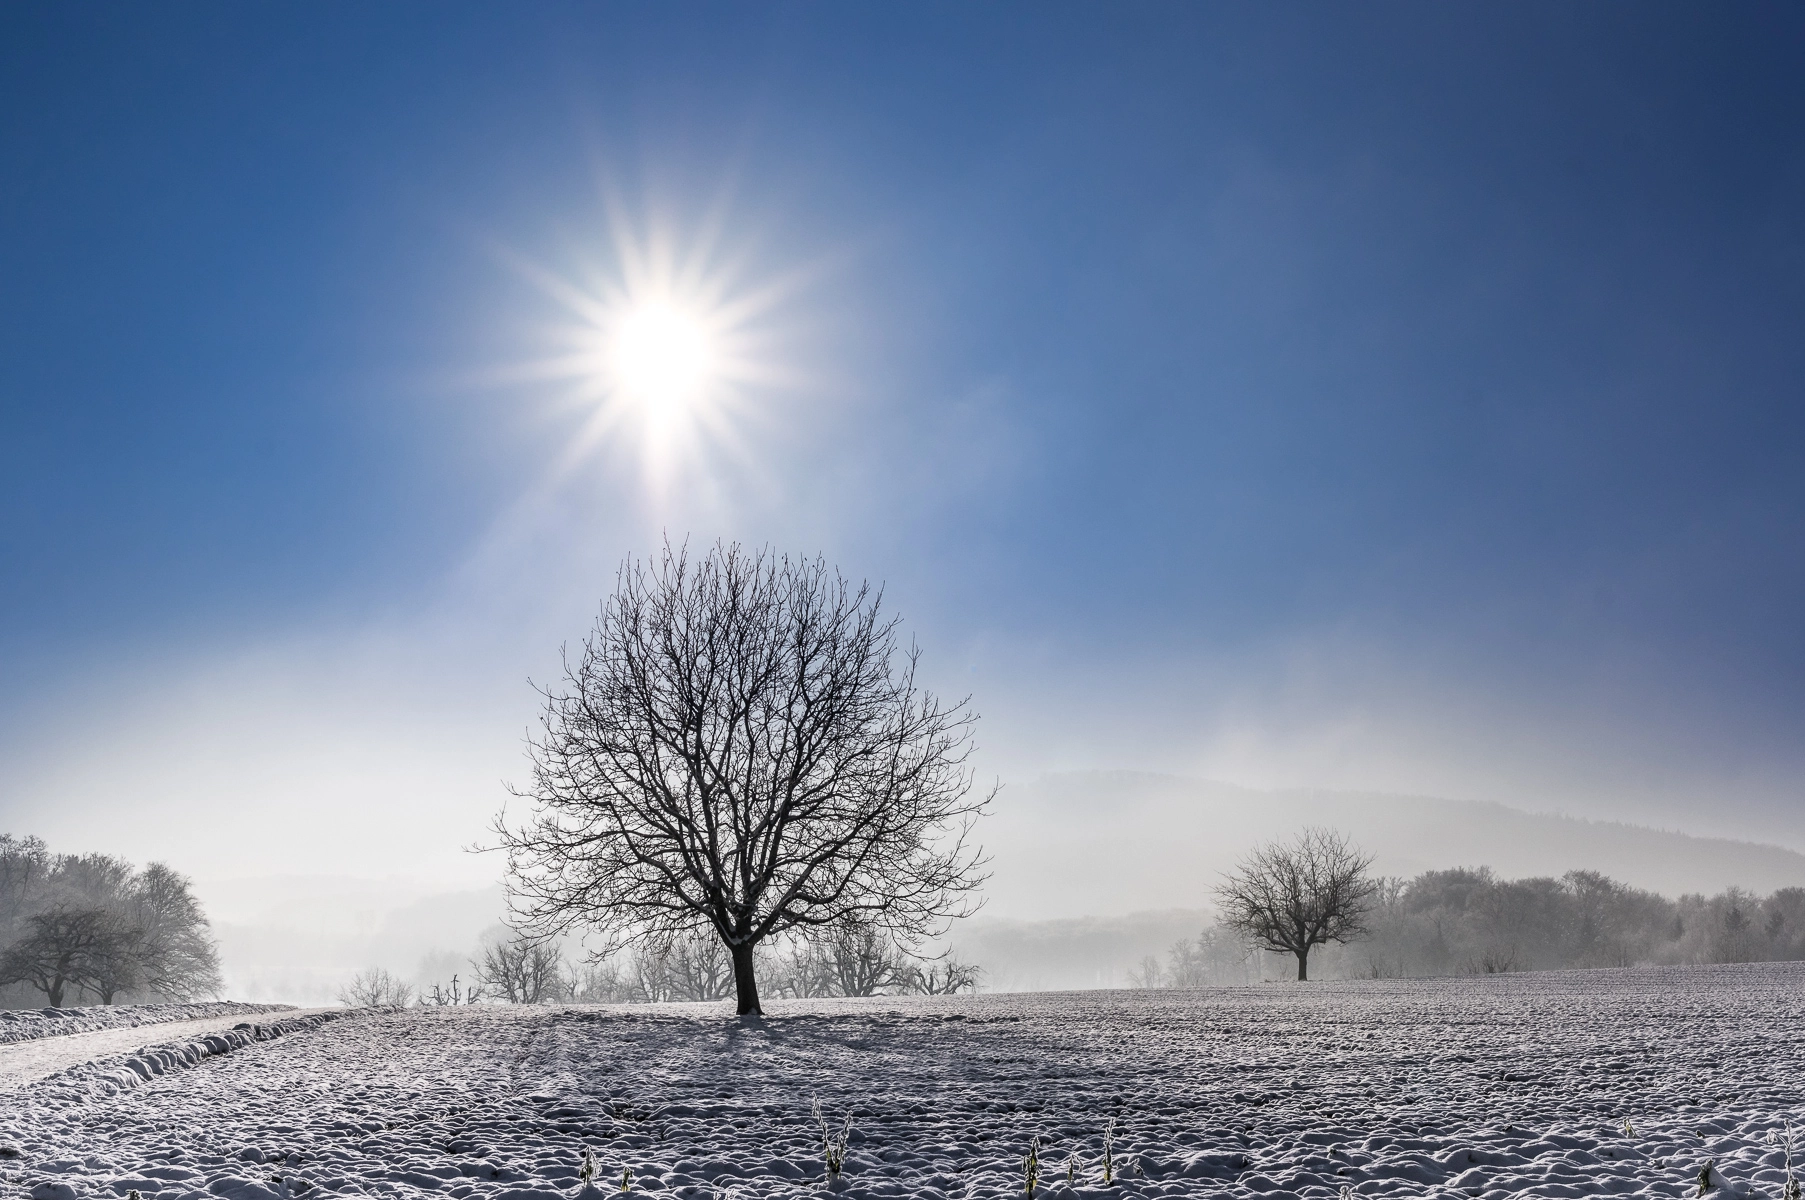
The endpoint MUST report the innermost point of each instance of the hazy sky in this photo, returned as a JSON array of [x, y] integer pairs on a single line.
[[1399, 397]]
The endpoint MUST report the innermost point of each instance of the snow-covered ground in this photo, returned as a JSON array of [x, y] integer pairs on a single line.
[[1570, 1084], [26, 1062], [27, 1024]]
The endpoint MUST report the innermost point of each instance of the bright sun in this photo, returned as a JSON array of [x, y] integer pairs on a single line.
[[661, 358], [667, 353]]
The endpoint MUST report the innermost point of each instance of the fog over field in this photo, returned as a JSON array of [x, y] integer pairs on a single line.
[[1091, 872]]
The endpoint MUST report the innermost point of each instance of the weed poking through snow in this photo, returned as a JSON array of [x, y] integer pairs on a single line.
[[1031, 1167], [833, 1149], [1109, 1161], [1704, 1177], [586, 1172], [1785, 1140], [626, 1179]]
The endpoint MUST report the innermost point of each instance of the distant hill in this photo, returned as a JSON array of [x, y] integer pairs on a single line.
[[1102, 843], [1093, 870]]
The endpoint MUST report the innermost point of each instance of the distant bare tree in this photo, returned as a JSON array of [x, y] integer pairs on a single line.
[[375, 988], [24, 868], [119, 958], [1291, 897], [1148, 975], [943, 977], [600, 981], [95, 923], [450, 995], [697, 967], [520, 970], [863, 962], [799, 969], [739, 751]]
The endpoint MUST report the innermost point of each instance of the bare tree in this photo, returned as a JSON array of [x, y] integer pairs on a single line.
[[862, 961], [375, 988], [738, 750], [800, 969], [1291, 897], [600, 981], [450, 995], [521, 970], [944, 976], [699, 968], [65, 948], [1148, 975], [177, 958]]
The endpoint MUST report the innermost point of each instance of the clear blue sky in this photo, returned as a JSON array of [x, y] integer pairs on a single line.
[[1394, 396]]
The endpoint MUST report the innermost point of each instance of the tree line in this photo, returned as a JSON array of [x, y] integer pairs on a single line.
[[94, 928], [522, 969], [1315, 893]]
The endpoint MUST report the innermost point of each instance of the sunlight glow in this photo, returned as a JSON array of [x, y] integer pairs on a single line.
[[665, 355], [661, 357]]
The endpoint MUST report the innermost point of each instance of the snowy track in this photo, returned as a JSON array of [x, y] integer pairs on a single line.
[[1510, 1085], [23, 1025], [25, 1062]]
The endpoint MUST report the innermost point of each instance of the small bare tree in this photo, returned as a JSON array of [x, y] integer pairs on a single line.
[[738, 750], [944, 976], [1148, 975], [1291, 897], [375, 988]]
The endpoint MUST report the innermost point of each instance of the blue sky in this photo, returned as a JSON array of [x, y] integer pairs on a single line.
[[1402, 397]]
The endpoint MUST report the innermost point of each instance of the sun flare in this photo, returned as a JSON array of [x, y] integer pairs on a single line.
[[661, 358], [667, 354]]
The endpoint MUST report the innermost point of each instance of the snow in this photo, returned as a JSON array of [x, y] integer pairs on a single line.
[[26, 1062], [27, 1024], [1560, 1084]]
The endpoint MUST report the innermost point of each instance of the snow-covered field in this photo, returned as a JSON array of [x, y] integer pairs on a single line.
[[28, 1024], [1572, 1084]]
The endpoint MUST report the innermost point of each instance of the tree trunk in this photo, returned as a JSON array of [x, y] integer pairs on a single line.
[[1303, 964], [745, 983], [54, 993]]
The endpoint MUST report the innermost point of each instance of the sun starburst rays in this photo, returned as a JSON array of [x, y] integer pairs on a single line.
[[660, 356]]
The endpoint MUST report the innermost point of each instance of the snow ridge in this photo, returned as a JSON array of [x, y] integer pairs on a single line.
[[110, 1076], [27, 1024]]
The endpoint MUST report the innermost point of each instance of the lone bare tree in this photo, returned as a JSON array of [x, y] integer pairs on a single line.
[[1290, 897], [743, 748]]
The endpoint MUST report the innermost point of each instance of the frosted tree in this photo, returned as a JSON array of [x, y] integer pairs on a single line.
[[742, 747], [1290, 897]]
